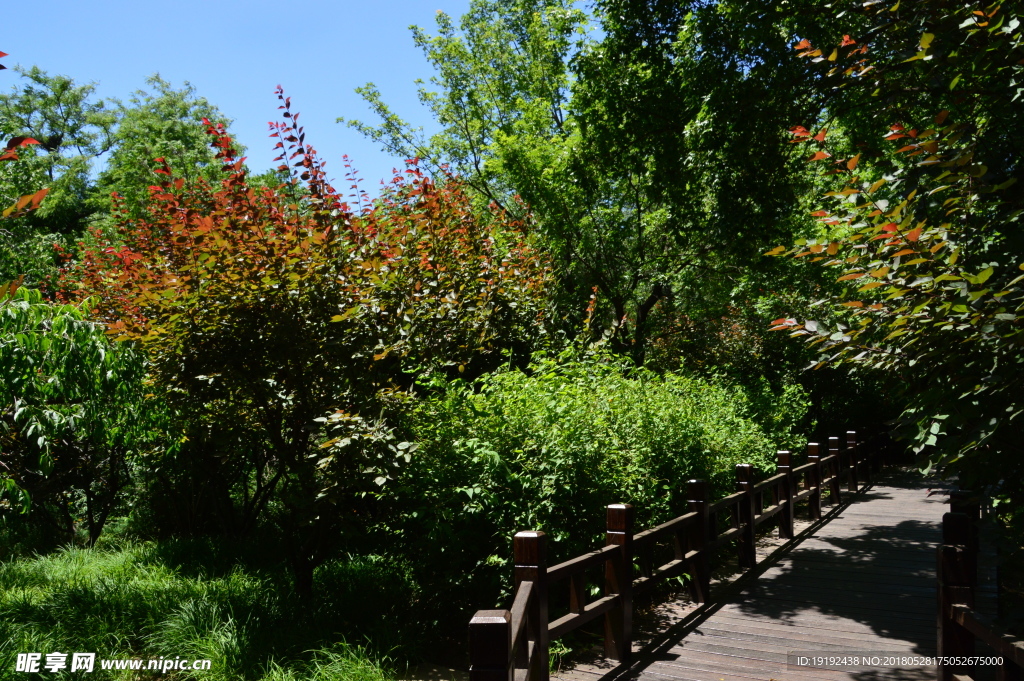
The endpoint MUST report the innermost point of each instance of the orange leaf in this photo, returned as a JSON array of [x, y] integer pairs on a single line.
[[22, 202], [852, 163], [802, 45], [904, 251], [847, 277], [914, 234], [20, 142], [37, 198], [818, 155]]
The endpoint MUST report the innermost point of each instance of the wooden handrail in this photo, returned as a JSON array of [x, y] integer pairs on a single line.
[[726, 502], [579, 564], [518, 640], [674, 525], [960, 625], [769, 482]]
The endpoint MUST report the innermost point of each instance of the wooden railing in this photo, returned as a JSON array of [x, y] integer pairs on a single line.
[[960, 625], [512, 645]]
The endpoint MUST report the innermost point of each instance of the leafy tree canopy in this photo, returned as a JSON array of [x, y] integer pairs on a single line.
[[69, 130], [633, 146], [164, 123], [74, 412], [926, 233]]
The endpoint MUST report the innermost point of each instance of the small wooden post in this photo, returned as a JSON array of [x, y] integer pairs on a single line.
[[618, 580], [958, 530], [966, 502], [954, 587], [490, 640], [700, 571], [577, 592], [531, 558], [837, 467], [814, 478], [862, 457], [851, 453], [745, 544], [785, 462]]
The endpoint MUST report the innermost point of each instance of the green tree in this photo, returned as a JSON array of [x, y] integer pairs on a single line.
[[653, 159], [71, 130], [164, 123], [74, 414], [928, 236]]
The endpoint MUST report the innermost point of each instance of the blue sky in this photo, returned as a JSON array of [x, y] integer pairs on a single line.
[[235, 53]]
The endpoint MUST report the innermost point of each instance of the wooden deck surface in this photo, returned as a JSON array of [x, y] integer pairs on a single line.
[[863, 583]]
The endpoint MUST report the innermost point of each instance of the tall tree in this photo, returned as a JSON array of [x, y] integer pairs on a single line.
[[71, 130], [652, 158], [926, 233], [162, 123]]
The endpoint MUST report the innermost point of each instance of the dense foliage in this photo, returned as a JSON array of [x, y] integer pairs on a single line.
[[927, 232], [635, 153]]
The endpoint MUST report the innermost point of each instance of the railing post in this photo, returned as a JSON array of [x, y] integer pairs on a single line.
[[837, 469], [531, 558], [745, 544], [860, 456], [958, 530], [618, 580], [785, 466], [700, 582], [966, 502], [814, 478], [490, 640], [954, 587], [851, 449]]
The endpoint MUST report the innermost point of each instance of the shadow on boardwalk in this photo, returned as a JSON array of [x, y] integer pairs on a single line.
[[862, 584]]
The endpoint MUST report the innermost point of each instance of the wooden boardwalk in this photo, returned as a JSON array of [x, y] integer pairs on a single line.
[[854, 596], [863, 584]]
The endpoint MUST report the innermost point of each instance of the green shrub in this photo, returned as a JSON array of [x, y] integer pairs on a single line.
[[548, 449]]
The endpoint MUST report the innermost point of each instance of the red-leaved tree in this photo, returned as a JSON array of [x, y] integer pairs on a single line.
[[279, 320]]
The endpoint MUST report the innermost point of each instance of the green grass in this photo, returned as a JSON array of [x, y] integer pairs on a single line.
[[131, 601]]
